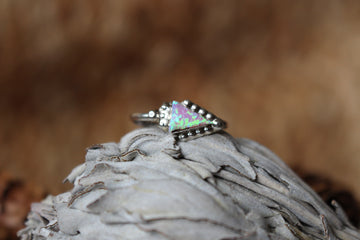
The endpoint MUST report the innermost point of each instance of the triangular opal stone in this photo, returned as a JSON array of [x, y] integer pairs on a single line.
[[184, 118]]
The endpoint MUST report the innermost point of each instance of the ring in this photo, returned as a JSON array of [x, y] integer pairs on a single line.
[[184, 120]]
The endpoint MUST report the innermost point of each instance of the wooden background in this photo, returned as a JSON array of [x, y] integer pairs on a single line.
[[284, 73]]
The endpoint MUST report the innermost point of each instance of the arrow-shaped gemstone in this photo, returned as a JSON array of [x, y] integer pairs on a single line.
[[184, 118]]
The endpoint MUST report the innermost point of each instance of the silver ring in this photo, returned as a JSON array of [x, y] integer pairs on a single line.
[[185, 120]]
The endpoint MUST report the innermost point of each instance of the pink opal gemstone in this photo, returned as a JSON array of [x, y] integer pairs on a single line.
[[184, 118]]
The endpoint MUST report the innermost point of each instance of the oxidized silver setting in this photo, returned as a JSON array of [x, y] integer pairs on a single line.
[[162, 118]]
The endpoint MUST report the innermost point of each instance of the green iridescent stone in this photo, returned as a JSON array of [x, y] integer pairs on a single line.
[[184, 118]]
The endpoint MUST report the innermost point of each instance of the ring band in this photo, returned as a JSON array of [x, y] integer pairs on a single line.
[[184, 120], [145, 118]]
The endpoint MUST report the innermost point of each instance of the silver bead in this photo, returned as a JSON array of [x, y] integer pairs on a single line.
[[194, 107], [186, 102], [163, 122], [152, 114]]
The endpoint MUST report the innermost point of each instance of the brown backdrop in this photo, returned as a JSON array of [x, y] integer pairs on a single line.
[[283, 73]]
